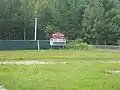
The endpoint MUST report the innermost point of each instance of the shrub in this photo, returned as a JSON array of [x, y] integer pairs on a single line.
[[78, 44]]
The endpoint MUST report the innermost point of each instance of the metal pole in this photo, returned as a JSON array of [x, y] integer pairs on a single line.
[[9, 35], [35, 29], [24, 34]]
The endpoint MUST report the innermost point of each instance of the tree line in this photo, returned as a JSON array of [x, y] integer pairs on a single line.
[[94, 21]]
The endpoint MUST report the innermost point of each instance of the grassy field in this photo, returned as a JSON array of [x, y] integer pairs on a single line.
[[59, 55], [85, 70]]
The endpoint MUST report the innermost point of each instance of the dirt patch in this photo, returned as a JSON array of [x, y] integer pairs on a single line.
[[113, 72], [2, 87], [29, 62]]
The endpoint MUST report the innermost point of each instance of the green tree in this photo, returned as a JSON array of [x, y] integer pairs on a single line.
[[93, 14]]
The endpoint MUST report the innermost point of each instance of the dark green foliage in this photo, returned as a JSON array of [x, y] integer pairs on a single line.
[[96, 21], [78, 44]]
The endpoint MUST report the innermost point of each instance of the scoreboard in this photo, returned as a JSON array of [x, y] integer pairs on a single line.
[[58, 39]]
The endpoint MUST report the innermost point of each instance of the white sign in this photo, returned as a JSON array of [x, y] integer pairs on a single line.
[[57, 42]]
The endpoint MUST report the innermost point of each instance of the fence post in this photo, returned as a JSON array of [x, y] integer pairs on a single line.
[[38, 45]]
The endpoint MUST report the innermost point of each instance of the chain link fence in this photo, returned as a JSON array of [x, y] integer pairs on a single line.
[[107, 47]]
